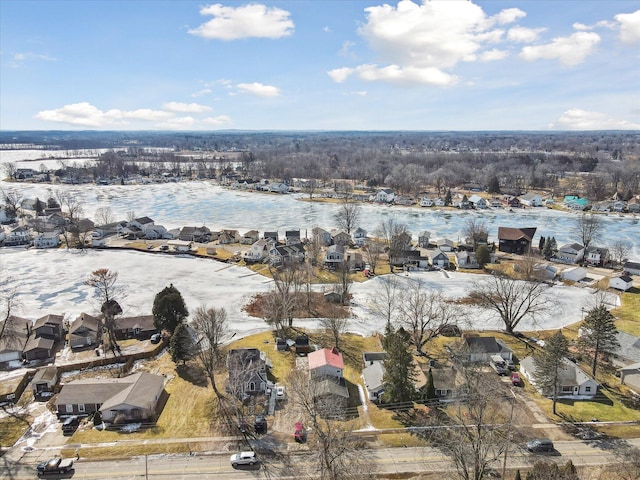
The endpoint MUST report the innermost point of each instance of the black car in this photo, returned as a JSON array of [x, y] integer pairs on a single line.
[[70, 425], [540, 445], [260, 424]]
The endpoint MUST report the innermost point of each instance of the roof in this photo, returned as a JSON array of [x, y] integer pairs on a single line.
[[102, 390], [143, 220], [634, 265], [326, 357], [37, 343], [486, 345], [50, 319], [629, 347], [329, 386], [508, 233], [84, 320], [373, 376], [138, 392], [572, 246], [293, 249], [529, 196], [46, 374], [569, 373], [624, 278], [142, 322], [444, 378]]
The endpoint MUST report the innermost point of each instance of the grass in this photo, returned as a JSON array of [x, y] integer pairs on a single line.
[[628, 314], [283, 362], [11, 429]]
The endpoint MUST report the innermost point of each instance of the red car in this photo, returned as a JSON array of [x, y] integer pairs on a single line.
[[299, 434], [515, 379]]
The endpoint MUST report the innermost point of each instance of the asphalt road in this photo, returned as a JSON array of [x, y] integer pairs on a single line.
[[217, 466]]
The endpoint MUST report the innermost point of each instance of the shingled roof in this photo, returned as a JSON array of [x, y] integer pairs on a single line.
[[508, 233]]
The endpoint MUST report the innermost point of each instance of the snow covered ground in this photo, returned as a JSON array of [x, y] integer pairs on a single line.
[[52, 281]]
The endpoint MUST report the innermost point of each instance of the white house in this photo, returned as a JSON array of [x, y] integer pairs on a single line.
[[623, 282], [633, 268], [630, 376], [143, 223], [17, 236], [47, 240], [438, 202], [597, 256], [445, 244], [573, 382], [259, 250], [438, 258], [477, 201], [531, 200], [326, 363], [570, 253], [180, 245], [426, 202], [278, 188], [423, 239], [360, 236], [385, 195], [574, 274]]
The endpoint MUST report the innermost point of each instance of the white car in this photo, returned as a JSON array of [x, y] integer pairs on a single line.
[[280, 393], [243, 458]]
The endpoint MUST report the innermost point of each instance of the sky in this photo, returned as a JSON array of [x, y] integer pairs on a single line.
[[320, 65]]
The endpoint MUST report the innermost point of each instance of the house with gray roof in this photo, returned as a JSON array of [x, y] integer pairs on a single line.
[[140, 327], [49, 326], [84, 331], [570, 253], [44, 381], [38, 349], [120, 400], [14, 339], [480, 349], [629, 350], [572, 382], [632, 268], [630, 376]]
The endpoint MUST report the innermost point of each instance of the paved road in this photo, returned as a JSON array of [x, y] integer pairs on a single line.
[[216, 466]]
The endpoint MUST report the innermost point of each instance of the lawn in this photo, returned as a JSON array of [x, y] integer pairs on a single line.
[[628, 313], [11, 429]]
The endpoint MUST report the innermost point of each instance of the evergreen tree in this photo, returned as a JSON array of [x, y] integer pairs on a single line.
[[494, 185], [599, 334], [430, 389], [399, 376], [39, 206], [483, 256], [181, 345], [549, 364], [518, 477], [541, 244], [447, 198], [169, 309]]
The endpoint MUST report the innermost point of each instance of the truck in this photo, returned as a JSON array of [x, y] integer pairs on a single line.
[[55, 465], [498, 364]]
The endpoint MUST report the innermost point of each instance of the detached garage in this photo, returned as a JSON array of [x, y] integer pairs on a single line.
[[623, 282], [574, 274]]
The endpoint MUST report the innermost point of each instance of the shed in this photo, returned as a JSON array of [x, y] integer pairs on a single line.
[[574, 274]]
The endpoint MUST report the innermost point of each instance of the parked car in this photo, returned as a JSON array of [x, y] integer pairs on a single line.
[[299, 435], [540, 445], [243, 458], [280, 392], [510, 365], [155, 338], [70, 425], [55, 465], [515, 379], [260, 424]]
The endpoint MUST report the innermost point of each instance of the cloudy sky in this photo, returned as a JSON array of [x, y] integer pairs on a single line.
[[320, 65]]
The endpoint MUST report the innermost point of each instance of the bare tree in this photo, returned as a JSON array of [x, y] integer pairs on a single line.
[[373, 250], [620, 250], [348, 214], [281, 300], [212, 328], [628, 467], [72, 207], [104, 216], [131, 216], [424, 313], [8, 303], [337, 455], [105, 283], [512, 300], [386, 298], [395, 236], [476, 231], [314, 247], [588, 227], [479, 427], [311, 187], [344, 282], [10, 169], [12, 200], [335, 323]]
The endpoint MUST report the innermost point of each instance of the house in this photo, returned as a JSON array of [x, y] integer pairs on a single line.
[[47, 240], [385, 195], [251, 237], [140, 327], [438, 258], [531, 200], [360, 236], [574, 274], [575, 203], [445, 382], [426, 202], [445, 244], [38, 348], [630, 376], [247, 371], [572, 382], [466, 260], [286, 254], [373, 376], [623, 282], [143, 223], [259, 251], [14, 338], [134, 398], [633, 205], [545, 272], [570, 253], [17, 236], [326, 363], [84, 331], [510, 201], [278, 187], [195, 234], [291, 237], [322, 236], [632, 268], [478, 202], [44, 381], [182, 246], [515, 240], [597, 256], [50, 326], [101, 231], [439, 202], [628, 351], [334, 256], [495, 203], [423, 239], [406, 200], [341, 238], [480, 349], [273, 236], [155, 232], [411, 258]]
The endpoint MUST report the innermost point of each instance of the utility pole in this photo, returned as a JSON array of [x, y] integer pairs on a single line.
[[506, 447]]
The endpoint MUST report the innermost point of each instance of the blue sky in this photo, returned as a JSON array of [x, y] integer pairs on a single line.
[[320, 65]]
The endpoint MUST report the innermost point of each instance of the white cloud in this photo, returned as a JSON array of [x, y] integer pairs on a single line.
[[178, 123], [578, 119], [495, 54], [87, 115], [217, 121], [18, 59], [200, 93], [326, 29], [360, 93], [179, 107], [509, 15], [252, 20], [523, 34], [629, 27], [570, 50], [258, 89], [345, 50], [418, 43]]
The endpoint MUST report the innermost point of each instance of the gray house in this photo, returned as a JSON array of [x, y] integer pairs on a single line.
[[247, 371], [480, 349], [573, 382]]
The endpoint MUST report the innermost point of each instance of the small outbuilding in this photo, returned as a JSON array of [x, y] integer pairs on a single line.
[[623, 282], [574, 274]]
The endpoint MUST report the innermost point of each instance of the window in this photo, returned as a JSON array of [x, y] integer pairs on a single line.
[[252, 386], [587, 389], [69, 408], [567, 389], [81, 408]]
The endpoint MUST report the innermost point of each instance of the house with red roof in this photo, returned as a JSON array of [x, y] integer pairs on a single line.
[[327, 383], [326, 363]]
